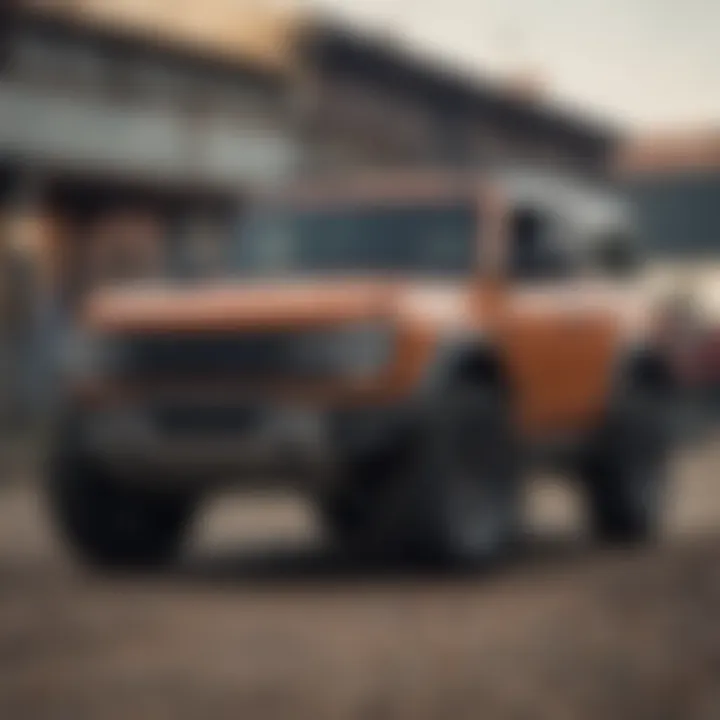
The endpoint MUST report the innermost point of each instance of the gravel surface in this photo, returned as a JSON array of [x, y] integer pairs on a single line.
[[259, 621]]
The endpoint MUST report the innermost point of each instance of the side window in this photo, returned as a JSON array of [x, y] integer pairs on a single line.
[[536, 250], [617, 254]]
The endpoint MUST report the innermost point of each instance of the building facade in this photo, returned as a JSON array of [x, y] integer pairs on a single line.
[[159, 115], [99, 124], [675, 182]]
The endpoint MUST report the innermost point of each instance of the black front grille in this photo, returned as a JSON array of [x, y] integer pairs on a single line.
[[203, 419], [267, 354]]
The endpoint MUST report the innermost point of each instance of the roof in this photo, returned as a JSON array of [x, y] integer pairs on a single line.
[[248, 32], [260, 35], [328, 39]]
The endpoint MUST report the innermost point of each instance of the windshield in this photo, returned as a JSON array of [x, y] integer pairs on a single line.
[[391, 239]]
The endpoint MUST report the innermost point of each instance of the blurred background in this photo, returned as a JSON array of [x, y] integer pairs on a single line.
[[133, 133]]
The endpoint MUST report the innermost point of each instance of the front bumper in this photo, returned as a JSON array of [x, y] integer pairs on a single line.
[[286, 445]]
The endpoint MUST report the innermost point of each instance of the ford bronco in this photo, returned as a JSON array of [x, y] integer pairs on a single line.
[[398, 348]]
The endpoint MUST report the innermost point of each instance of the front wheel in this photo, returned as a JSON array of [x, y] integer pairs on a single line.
[[449, 495], [110, 525], [467, 477]]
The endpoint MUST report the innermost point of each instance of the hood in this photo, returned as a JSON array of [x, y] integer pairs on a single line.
[[172, 308]]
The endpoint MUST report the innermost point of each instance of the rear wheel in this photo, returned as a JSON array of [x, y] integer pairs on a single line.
[[626, 473]]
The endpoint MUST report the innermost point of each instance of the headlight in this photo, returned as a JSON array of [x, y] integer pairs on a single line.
[[352, 349]]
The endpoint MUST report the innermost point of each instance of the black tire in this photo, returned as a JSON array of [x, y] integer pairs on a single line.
[[357, 515], [626, 471], [464, 507], [113, 526], [449, 496]]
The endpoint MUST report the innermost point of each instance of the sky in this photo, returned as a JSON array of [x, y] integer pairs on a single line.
[[649, 65]]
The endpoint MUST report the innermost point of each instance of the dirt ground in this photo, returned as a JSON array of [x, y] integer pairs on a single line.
[[259, 621]]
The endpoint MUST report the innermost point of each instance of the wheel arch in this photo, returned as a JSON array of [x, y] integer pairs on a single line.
[[649, 367], [468, 358]]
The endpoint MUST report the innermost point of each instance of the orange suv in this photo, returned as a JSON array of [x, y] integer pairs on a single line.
[[399, 348]]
